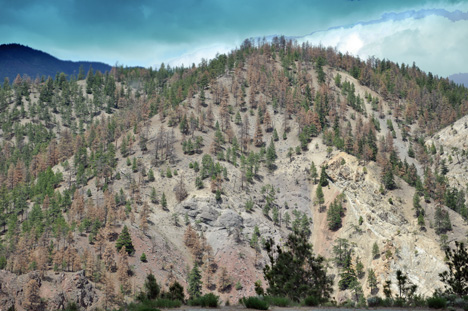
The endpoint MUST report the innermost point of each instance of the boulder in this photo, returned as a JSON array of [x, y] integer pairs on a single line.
[[230, 219], [208, 216]]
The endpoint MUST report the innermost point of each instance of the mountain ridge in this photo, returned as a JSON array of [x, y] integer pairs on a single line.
[[17, 59], [460, 78]]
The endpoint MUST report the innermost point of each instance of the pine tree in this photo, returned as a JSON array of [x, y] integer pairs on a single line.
[[151, 286], [319, 195], [359, 268], [258, 137], [371, 280], [295, 272], [323, 177], [375, 251], [267, 121], [271, 155], [153, 196], [176, 292], [313, 172], [163, 201], [151, 175], [387, 179], [275, 135], [456, 277], [195, 282], [334, 214], [108, 291], [125, 239], [122, 270], [108, 257]]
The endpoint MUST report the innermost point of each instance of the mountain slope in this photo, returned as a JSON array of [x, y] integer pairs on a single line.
[[18, 59], [205, 164]]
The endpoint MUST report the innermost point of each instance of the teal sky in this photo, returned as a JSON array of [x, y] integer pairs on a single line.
[[147, 32]]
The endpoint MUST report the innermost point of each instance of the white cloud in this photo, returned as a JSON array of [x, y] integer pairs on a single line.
[[435, 43], [195, 56]]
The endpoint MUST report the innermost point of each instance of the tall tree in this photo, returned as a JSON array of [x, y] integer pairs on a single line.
[[151, 287], [294, 271], [456, 277], [195, 282]]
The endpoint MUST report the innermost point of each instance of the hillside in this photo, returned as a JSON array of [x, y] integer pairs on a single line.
[[205, 164], [16, 59]]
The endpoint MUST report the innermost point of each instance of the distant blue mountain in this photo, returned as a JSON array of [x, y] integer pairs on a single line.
[[460, 78], [19, 59]]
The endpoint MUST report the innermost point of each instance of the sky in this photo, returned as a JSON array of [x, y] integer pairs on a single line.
[[434, 34]]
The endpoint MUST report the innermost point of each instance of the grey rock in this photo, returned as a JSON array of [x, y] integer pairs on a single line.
[[208, 216], [230, 219]]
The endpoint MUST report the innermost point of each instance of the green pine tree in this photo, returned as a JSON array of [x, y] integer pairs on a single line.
[[295, 272], [323, 177], [164, 201], [319, 195], [152, 287], [195, 282], [271, 155], [371, 280], [151, 175], [125, 239], [153, 196]]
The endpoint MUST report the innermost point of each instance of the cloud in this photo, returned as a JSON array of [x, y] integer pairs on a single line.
[[148, 32], [436, 42]]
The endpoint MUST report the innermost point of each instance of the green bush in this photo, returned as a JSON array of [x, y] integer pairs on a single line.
[[255, 303], [71, 306], [166, 303], [374, 301], [400, 302], [311, 301], [278, 301], [209, 300], [437, 303], [348, 304]]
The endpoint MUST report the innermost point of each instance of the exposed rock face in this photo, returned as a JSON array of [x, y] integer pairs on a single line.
[[389, 223], [56, 290]]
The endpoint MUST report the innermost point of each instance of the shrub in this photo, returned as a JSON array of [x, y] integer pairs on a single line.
[[209, 300], [166, 303], [71, 306], [348, 304], [278, 301], [437, 303], [374, 301], [255, 303], [311, 301]]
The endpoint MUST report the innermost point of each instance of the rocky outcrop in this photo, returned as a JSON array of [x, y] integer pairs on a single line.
[[56, 290]]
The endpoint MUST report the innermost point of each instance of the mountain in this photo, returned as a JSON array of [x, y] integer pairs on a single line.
[[204, 165], [19, 59], [460, 78]]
